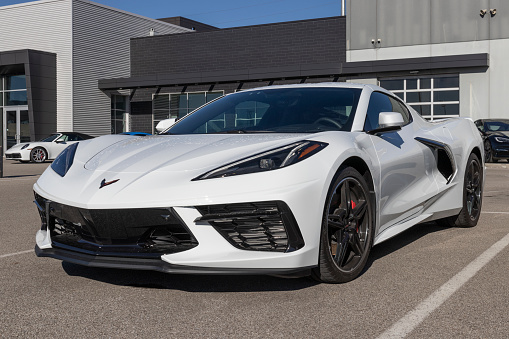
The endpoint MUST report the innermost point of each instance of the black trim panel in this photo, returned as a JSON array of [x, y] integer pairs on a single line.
[[158, 264], [440, 146]]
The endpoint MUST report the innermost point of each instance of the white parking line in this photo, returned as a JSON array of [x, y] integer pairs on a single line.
[[413, 318], [495, 212], [11, 254]]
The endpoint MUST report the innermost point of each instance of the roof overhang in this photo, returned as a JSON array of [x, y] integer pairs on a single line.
[[366, 68]]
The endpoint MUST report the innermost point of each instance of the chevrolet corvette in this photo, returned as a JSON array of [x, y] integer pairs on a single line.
[[282, 180]]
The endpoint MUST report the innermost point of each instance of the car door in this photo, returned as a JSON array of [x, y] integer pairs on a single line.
[[406, 175]]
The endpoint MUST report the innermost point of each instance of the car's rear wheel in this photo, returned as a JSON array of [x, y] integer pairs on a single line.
[[347, 229], [472, 195], [38, 154]]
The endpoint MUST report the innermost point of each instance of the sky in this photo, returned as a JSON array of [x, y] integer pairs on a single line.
[[225, 13]]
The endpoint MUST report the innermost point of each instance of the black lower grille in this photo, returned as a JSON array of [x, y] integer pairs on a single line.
[[257, 226], [145, 232], [13, 156]]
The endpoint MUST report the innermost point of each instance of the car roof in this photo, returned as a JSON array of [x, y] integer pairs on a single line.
[[324, 84]]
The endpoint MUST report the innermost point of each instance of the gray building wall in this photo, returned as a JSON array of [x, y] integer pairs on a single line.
[[435, 28], [419, 22], [273, 45], [101, 47]]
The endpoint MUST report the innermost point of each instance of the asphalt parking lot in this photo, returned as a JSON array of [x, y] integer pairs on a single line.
[[429, 282]]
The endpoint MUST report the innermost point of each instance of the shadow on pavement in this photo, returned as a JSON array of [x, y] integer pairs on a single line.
[[401, 240], [20, 176], [188, 283], [232, 283]]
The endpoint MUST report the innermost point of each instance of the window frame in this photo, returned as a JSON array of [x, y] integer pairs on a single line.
[[432, 90]]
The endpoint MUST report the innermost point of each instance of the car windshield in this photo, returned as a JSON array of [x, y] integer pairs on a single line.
[[281, 110], [502, 125], [50, 138]]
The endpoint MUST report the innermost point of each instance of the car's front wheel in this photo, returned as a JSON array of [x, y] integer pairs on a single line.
[[347, 229], [488, 152], [38, 154]]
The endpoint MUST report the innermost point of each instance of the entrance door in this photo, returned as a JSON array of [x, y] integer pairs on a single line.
[[15, 126]]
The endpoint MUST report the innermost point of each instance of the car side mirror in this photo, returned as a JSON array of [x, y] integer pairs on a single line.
[[165, 124], [388, 121], [60, 142]]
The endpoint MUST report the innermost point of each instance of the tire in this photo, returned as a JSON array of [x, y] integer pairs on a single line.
[[472, 195], [488, 152], [38, 154], [347, 229]]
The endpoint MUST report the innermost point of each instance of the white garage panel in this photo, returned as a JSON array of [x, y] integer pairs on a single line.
[[44, 26]]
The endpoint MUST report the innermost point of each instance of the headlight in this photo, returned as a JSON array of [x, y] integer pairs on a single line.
[[25, 146], [64, 160], [502, 139], [267, 161]]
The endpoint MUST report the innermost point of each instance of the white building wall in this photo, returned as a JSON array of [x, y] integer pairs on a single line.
[[483, 94], [101, 49], [45, 26]]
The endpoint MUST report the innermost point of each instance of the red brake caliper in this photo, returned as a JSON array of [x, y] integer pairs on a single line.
[[353, 206]]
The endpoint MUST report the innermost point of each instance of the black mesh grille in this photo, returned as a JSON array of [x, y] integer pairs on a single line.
[[146, 232], [258, 226]]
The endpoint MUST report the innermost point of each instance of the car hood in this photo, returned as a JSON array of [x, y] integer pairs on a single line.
[[17, 147], [170, 153], [498, 133]]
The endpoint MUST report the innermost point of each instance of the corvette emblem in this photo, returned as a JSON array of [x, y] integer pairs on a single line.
[[106, 183]]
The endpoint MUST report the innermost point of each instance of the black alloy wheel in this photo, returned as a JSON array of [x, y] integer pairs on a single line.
[[472, 195], [38, 154], [347, 229], [488, 153]]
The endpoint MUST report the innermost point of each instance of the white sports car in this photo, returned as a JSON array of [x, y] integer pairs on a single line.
[[298, 179], [46, 149]]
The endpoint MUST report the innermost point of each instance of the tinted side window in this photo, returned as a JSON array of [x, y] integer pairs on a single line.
[[378, 102], [400, 108]]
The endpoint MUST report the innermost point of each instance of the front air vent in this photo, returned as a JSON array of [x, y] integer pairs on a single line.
[[255, 226], [136, 232]]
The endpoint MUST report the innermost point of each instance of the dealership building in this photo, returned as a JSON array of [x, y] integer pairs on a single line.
[[76, 65]]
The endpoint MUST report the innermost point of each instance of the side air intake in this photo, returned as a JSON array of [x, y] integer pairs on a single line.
[[445, 159]]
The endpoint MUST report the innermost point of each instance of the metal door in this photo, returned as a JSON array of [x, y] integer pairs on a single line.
[[16, 126]]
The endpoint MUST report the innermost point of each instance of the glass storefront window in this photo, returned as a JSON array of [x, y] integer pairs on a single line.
[[177, 105], [119, 114], [16, 98], [430, 97], [14, 82]]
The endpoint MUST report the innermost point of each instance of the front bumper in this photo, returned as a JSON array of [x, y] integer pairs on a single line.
[[501, 152], [215, 239], [13, 156], [151, 264]]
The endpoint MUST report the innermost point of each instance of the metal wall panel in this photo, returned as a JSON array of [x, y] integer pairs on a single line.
[[101, 40], [459, 20], [403, 22], [44, 26], [361, 23], [499, 23]]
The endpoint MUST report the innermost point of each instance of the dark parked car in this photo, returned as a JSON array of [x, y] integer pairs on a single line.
[[495, 133]]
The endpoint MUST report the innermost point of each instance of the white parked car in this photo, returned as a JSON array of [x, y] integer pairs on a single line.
[[46, 149], [298, 179]]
